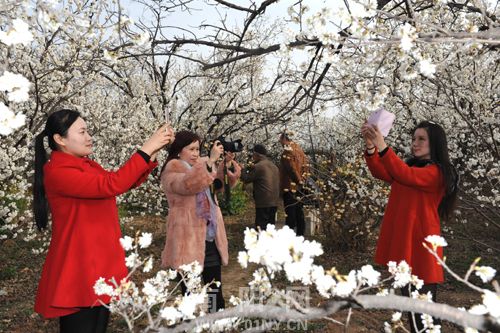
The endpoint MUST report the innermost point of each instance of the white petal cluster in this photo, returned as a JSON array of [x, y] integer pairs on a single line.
[[145, 240], [401, 273], [16, 85], [486, 273], [491, 302], [436, 241], [367, 275], [18, 34], [171, 315], [190, 304], [48, 21], [103, 288], [427, 68], [363, 8], [281, 250], [9, 121], [155, 289], [143, 40], [127, 243], [408, 34], [131, 260]]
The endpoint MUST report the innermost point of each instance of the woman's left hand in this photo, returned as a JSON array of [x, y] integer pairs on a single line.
[[372, 133], [229, 158]]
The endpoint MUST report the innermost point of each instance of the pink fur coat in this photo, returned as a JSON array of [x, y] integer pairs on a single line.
[[186, 232]]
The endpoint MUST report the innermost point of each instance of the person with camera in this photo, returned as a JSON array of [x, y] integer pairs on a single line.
[[195, 226], [264, 175], [293, 168], [85, 232], [423, 191]]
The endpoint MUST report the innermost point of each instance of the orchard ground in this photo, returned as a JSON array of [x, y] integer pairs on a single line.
[[20, 271]]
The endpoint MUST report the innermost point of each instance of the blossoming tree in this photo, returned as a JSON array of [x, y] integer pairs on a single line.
[[420, 59]]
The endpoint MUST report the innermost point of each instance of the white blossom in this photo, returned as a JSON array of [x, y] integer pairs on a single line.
[[396, 316], [368, 275], [131, 260], [170, 314], [16, 85], [427, 68], [408, 34], [491, 301], [346, 286], [10, 121], [102, 288], [145, 240], [401, 273], [48, 21], [127, 243], [486, 273], [436, 241], [243, 259], [189, 304], [18, 34], [111, 56], [143, 40], [148, 265]]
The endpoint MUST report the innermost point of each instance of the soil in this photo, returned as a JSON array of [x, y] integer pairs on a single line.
[[20, 271]]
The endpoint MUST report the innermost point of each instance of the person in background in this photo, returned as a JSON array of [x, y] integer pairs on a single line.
[[423, 190], [293, 167], [264, 175], [85, 239], [195, 227]]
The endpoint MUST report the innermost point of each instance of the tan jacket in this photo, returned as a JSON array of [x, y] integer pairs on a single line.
[[186, 232], [293, 167]]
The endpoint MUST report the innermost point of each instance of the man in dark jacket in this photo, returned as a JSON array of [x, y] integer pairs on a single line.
[[266, 187]]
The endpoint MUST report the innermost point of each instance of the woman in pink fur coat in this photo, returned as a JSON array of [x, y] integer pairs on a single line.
[[195, 227]]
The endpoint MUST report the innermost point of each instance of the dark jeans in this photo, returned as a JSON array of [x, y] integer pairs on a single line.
[[432, 287], [265, 216], [294, 213], [87, 320]]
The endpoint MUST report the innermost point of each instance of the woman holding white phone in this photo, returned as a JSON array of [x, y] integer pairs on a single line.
[[423, 190]]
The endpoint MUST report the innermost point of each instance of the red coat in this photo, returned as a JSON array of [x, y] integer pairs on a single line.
[[411, 214], [85, 230]]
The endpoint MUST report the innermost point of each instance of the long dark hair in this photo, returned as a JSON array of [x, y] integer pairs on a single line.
[[182, 139], [438, 145], [57, 123]]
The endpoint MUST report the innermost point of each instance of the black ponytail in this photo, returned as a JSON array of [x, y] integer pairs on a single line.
[[40, 206], [57, 123]]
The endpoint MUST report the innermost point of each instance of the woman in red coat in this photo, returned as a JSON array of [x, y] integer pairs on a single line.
[[423, 190], [85, 241]]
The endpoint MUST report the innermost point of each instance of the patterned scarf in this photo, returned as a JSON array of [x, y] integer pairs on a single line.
[[206, 209]]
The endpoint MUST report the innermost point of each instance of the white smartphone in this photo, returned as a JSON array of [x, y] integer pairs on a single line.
[[383, 119]]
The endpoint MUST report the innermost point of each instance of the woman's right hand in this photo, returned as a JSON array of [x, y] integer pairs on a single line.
[[162, 137], [365, 132], [216, 151]]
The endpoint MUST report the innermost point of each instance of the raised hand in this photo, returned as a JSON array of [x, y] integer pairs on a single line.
[[373, 136], [160, 138], [216, 151]]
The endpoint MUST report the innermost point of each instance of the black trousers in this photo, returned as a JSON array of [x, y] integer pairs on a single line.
[[265, 216], [211, 272], [215, 299], [87, 320], [294, 213], [416, 325]]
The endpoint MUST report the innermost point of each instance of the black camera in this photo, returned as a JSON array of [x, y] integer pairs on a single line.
[[233, 146]]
